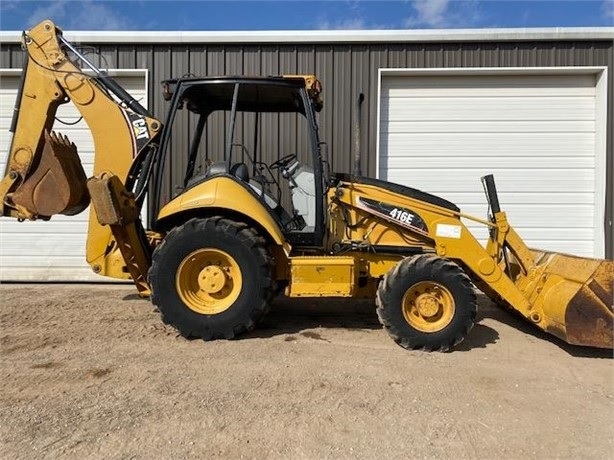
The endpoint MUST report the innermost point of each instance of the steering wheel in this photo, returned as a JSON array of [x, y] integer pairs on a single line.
[[282, 162]]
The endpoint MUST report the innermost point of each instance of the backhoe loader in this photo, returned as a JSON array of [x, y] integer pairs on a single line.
[[240, 230]]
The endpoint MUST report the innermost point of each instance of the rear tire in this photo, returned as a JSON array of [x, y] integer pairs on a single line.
[[212, 278], [426, 302]]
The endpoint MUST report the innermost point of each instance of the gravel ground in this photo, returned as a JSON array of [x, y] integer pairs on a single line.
[[89, 371]]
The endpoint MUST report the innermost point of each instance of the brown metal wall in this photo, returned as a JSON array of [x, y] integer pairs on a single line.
[[347, 70]]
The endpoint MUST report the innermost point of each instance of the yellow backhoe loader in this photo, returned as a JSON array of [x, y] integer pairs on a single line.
[[240, 230]]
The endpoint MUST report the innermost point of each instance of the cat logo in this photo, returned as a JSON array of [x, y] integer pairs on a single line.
[[139, 126]]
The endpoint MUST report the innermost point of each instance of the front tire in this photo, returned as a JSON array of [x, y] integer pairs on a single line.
[[212, 278], [426, 302]]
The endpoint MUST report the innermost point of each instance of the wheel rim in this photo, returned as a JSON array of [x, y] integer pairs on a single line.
[[428, 306], [209, 281]]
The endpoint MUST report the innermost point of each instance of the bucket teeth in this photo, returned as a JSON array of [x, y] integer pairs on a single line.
[[59, 142], [57, 185], [58, 139]]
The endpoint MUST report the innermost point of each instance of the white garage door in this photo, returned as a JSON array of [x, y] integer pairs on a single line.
[[538, 134], [53, 250]]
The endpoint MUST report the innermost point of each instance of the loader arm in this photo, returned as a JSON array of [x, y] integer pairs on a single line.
[[567, 296], [44, 175]]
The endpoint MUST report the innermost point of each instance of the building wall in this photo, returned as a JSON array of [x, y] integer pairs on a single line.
[[346, 71]]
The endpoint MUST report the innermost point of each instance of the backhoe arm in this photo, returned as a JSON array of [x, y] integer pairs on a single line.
[[44, 175]]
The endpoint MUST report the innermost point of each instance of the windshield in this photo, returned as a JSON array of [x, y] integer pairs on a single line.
[[261, 127]]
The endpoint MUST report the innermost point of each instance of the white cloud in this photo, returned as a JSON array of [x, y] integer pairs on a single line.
[[354, 16], [56, 11], [98, 16], [9, 5], [431, 12], [82, 15], [607, 8], [443, 13], [345, 24]]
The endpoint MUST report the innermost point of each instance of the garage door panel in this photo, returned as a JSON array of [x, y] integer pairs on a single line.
[[563, 215], [484, 109], [573, 247], [66, 115], [547, 239], [536, 133], [461, 179], [539, 234], [498, 91], [489, 127], [47, 244], [516, 144], [495, 162], [60, 260], [77, 225], [66, 229], [57, 269], [489, 85], [53, 250], [477, 197]]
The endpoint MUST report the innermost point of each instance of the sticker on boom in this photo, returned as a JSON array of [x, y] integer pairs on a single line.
[[140, 129], [448, 231], [403, 216]]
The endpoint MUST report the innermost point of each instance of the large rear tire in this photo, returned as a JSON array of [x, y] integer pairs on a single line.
[[426, 302], [212, 278]]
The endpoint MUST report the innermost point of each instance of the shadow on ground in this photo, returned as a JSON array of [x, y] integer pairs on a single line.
[[288, 316], [294, 316], [299, 316], [488, 309], [133, 297]]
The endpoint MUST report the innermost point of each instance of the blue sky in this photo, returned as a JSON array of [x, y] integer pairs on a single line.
[[300, 14]]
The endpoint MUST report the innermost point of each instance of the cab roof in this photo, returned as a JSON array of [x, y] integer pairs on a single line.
[[256, 94]]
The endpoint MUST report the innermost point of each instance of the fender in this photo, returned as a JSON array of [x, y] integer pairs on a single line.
[[223, 192]]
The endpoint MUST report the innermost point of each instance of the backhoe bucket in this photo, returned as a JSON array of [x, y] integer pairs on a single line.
[[573, 298], [56, 184]]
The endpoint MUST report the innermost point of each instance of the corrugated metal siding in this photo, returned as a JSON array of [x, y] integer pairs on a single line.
[[346, 70]]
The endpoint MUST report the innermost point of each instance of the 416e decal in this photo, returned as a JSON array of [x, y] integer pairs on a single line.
[[402, 216]]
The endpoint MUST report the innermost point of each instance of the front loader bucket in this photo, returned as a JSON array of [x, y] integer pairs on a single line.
[[575, 297], [56, 184]]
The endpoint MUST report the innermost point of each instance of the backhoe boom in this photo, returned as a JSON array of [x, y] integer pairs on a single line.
[[44, 175]]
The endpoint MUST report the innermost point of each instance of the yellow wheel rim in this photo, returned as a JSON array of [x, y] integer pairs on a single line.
[[428, 306], [208, 281]]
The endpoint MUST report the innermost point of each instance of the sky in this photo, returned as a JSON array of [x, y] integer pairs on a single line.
[[304, 15]]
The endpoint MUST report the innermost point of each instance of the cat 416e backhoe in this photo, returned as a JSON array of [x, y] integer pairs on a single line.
[[240, 230]]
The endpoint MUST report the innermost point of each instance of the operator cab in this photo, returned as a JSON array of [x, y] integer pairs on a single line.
[[262, 133]]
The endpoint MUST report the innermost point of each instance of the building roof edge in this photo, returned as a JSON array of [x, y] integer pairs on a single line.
[[330, 36]]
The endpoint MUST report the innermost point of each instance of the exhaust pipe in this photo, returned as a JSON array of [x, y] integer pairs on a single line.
[[357, 133]]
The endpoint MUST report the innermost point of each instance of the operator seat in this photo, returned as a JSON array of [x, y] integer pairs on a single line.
[[240, 171]]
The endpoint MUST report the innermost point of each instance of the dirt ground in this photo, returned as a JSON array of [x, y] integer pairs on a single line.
[[89, 371]]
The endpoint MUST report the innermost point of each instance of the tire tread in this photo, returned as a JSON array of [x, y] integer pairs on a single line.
[[429, 267], [250, 239]]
